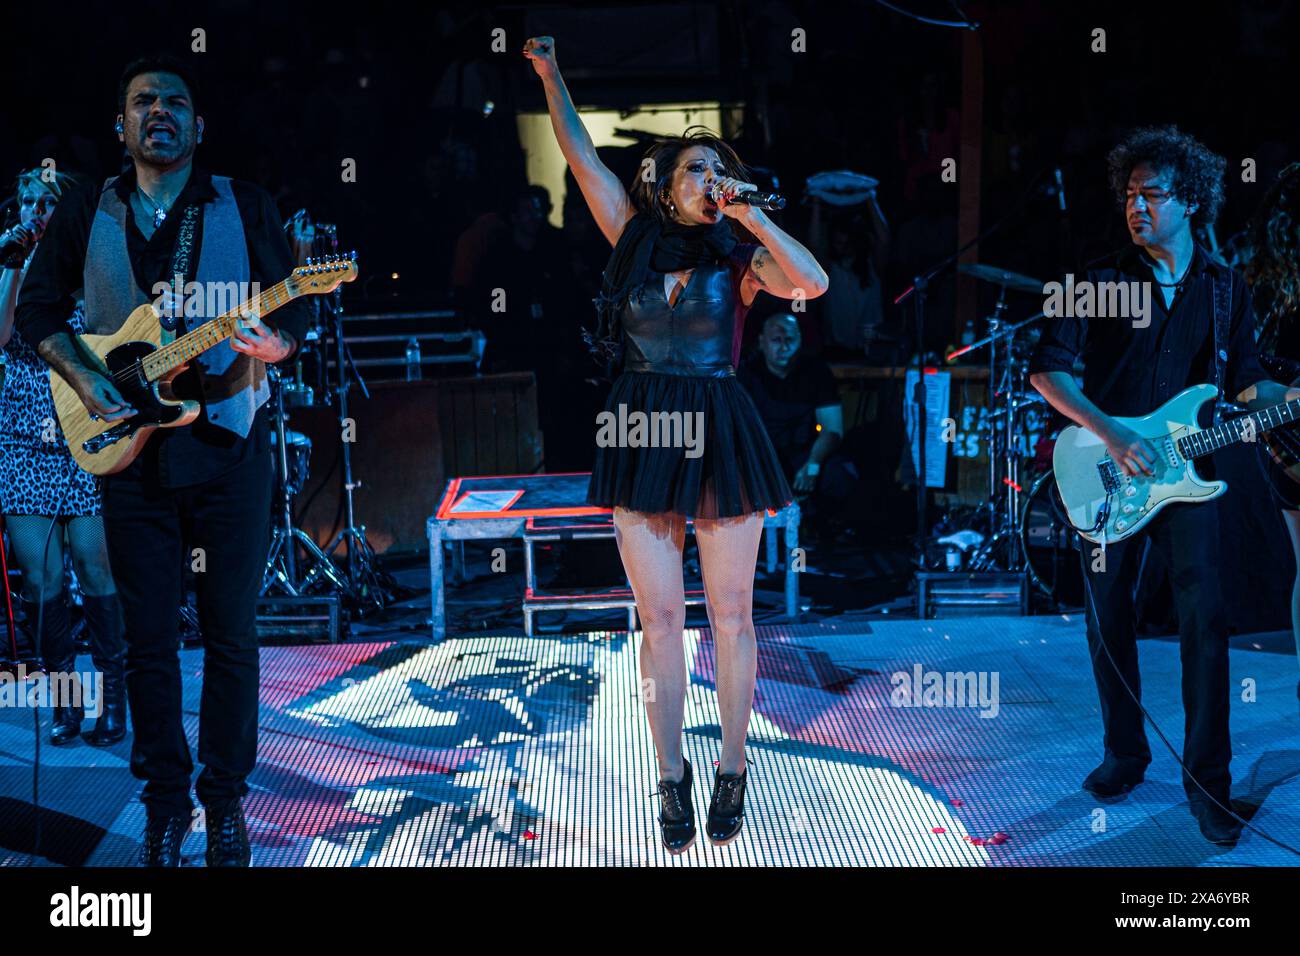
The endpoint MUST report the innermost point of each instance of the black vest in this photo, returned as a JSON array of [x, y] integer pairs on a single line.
[[693, 337]]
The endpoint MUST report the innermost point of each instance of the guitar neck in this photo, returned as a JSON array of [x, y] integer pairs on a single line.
[[215, 331], [1245, 428]]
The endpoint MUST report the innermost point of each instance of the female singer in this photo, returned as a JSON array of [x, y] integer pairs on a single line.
[[40, 485], [673, 300], [1274, 276]]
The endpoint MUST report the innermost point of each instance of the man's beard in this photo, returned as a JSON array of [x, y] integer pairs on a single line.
[[182, 151]]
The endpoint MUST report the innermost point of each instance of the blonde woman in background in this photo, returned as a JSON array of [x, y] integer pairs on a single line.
[[41, 485]]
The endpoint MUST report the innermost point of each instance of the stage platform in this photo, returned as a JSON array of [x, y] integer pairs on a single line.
[[501, 749]]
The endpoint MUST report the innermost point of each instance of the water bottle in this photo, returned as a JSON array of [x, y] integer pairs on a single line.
[[413, 360]]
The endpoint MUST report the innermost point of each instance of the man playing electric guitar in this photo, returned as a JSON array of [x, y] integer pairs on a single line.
[[1167, 182], [200, 493]]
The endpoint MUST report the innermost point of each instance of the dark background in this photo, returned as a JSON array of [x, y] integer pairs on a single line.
[[289, 90]]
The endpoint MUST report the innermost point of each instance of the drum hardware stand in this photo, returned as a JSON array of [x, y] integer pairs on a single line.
[[1001, 454], [918, 289], [365, 584], [1004, 456], [281, 571]]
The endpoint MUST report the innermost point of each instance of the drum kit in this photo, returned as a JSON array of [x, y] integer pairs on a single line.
[[1020, 526], [296, 565]]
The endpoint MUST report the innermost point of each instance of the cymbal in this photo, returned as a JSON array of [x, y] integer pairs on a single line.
[[1003, 277]]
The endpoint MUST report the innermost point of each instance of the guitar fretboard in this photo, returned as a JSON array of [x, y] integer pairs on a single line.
[[214, 332], [1245, 428]]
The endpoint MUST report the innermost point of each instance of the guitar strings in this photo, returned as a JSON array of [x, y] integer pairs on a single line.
[[168, 350]]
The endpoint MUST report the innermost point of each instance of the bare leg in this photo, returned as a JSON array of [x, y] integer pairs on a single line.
[[1292, 519], [728, 555], [651, 548]]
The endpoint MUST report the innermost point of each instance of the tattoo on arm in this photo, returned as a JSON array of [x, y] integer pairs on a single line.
[[761, 257]]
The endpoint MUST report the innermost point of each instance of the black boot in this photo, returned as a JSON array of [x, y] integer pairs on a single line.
[[1114, 777], [227, 835], [1217, 825], [727, 808], [108, 652], [677, 812], [163, 837], [59, 661]]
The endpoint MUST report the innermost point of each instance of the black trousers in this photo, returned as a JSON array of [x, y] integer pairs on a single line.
[[152, 536], [1187, 537]]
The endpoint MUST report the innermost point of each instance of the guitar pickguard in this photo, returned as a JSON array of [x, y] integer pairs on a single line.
[[1102, 502], [141, 394]]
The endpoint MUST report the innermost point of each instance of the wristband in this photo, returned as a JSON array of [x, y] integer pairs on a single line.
[[813, 468]]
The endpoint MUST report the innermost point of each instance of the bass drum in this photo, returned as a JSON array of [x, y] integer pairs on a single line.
[[1051, 545]]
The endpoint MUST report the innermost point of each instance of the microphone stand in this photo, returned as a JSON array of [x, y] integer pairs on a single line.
[[367, 586]]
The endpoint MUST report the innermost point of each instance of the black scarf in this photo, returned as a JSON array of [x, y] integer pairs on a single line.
[[646, 246]]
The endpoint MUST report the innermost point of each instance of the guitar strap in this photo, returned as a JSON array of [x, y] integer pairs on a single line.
[[1221, 292], [182, 256]]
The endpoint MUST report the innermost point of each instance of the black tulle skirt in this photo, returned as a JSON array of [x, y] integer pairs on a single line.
[[718, 463]]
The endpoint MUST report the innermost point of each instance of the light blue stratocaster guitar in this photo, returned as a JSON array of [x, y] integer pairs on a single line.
[[1105, 505]]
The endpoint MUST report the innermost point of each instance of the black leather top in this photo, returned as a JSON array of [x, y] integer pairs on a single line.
[[693, 337]]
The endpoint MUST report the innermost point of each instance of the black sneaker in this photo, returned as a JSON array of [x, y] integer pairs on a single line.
[[227, 835], [727, 808], [676, 812], [162, 841]]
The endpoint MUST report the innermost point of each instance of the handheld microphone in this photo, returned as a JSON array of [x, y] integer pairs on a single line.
[[10, 243], [753, 198]]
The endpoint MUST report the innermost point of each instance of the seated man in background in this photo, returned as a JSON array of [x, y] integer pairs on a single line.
[[796, 398]]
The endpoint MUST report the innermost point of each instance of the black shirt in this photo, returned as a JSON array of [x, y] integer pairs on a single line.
[[200, 451], [788, 406], [1131, 371]]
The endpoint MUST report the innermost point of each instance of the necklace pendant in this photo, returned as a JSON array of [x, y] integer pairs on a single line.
[[159, 215]]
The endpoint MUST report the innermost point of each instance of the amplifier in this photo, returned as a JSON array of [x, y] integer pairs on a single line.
[[971, 594], [315, 619], [409, 438]]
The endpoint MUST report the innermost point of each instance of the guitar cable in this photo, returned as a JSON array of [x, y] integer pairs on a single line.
[[1161, 734], [36, 641]]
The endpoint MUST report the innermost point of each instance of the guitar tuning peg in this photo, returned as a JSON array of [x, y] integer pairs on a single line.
[[309, 260]]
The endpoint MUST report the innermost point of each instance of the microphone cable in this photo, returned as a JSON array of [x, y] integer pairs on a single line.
[[1165, 740], [36, 640]]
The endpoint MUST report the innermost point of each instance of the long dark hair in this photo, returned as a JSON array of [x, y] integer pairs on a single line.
[[662, 157], [1274, 268]]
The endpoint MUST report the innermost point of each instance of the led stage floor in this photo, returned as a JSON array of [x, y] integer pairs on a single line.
[[509, 750]]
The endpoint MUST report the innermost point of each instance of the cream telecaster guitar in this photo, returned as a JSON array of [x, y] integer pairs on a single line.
[[1105, 505], [142, 364]]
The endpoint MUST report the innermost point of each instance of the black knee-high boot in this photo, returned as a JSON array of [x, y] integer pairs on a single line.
[[59, 659], [108, 652]]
